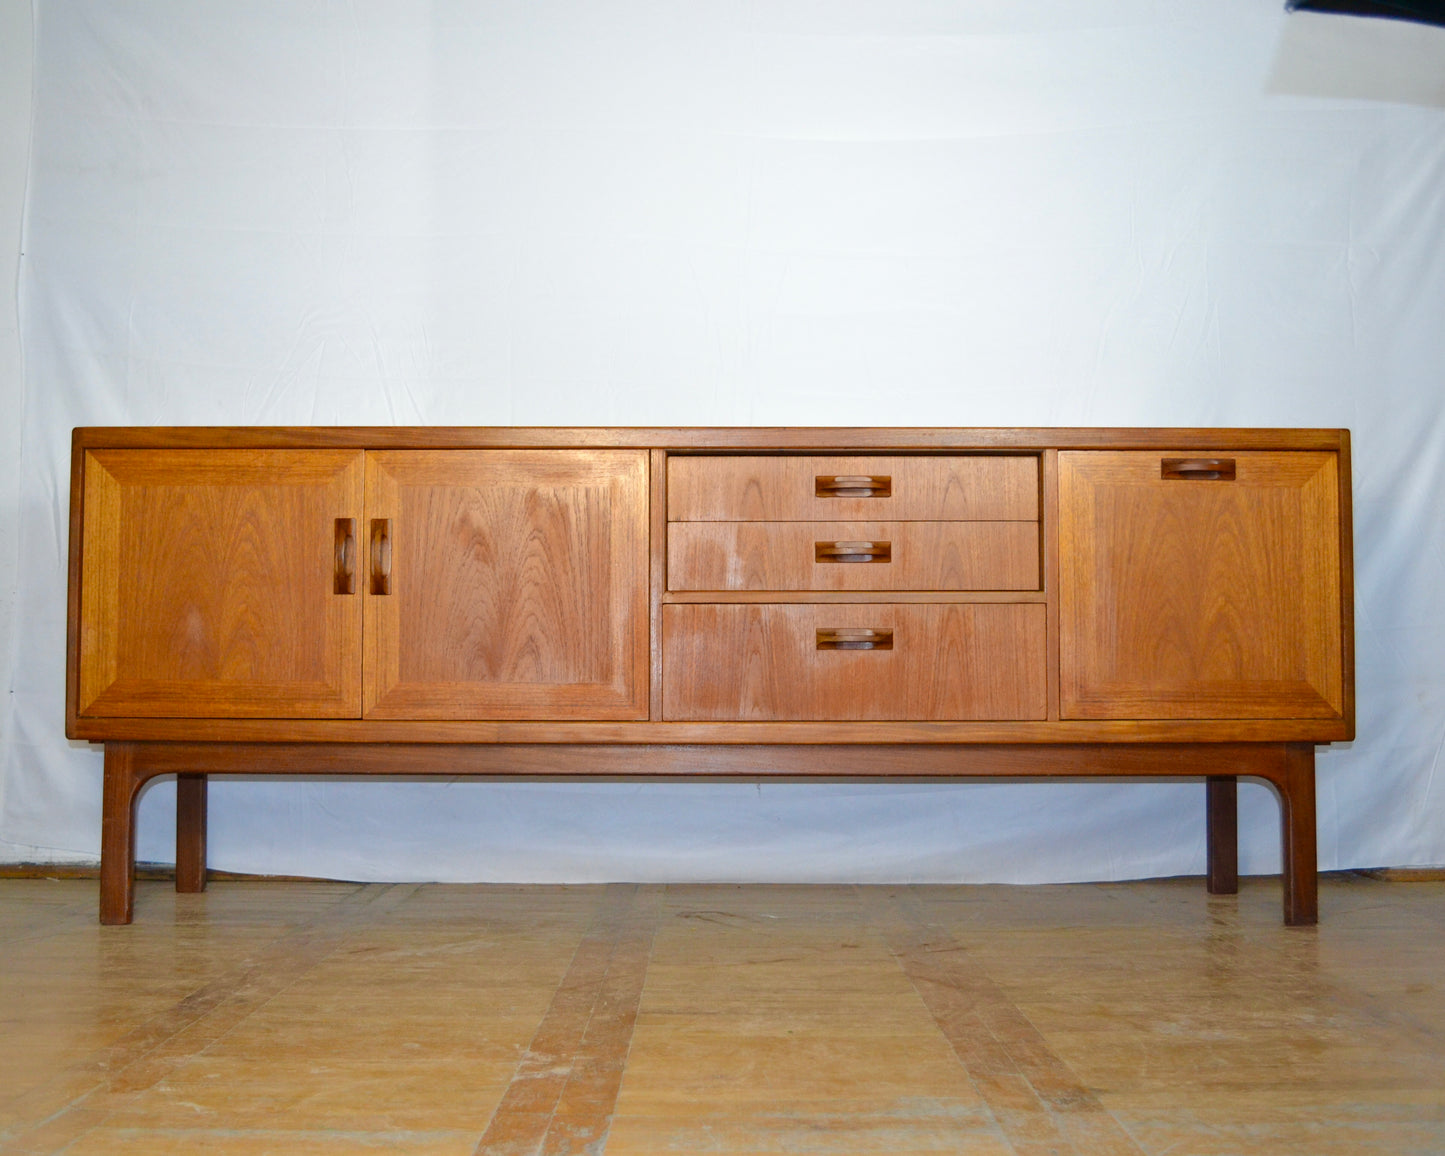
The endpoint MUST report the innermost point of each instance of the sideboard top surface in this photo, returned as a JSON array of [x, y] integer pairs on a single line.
[[774, 438]]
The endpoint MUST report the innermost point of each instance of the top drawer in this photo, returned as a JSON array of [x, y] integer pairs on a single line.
[[843, 487]]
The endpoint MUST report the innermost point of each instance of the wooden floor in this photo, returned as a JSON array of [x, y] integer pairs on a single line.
[[337, 1018]]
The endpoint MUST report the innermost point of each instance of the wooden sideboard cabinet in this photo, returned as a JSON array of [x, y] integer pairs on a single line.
[[945, 603]]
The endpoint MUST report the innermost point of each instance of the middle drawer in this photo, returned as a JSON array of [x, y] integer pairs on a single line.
[[853, 556]]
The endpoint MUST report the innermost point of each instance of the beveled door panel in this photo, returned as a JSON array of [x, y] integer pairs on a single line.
[[506, 584], [853, 556], [1200, 586], [844, 487], [842, 662], [213, 584]]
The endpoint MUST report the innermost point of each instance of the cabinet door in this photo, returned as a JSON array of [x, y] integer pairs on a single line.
[[1191, 593], [506, 584], [209, 584]]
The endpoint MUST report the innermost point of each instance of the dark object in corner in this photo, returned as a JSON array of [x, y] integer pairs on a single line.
[[1421, 11]]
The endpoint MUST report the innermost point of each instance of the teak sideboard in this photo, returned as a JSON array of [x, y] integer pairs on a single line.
[[941, 603]]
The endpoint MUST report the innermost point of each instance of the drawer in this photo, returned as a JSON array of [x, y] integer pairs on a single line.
[[853, 556], [778, 488], [854, 662]]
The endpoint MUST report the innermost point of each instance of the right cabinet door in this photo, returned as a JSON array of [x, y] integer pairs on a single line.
[[1199, 586], [506, 584]]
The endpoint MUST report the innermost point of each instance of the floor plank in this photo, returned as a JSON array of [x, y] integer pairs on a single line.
[[1092, 1019]]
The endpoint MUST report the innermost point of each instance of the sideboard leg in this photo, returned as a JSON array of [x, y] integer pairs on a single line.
[[117, 833], [1222, 833], [190, 833], [1297, 815]]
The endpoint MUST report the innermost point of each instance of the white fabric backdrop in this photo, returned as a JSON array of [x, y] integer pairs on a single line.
[[873, 212]]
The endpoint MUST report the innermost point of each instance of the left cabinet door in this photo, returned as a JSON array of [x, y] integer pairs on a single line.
[[506, 584], [213, 584]]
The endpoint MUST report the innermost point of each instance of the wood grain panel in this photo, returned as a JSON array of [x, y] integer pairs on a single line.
[[1347, 580], [657, 575], [854, 596], [1049, 469], [699, 760], [756, 662], [922, 556], [359, 732], [518, 585], [1199, 598], [779, 488], [207, 584]]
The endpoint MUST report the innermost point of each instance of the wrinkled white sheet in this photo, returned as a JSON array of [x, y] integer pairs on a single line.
[[873, 212]]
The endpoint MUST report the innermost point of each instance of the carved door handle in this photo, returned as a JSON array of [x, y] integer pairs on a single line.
[[345, 572], [381, 555], [1197, 469]]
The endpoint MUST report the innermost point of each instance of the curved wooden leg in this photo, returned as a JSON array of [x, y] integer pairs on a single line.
[[1297, 819], [1222, 837], [190, 833], [117, 833]]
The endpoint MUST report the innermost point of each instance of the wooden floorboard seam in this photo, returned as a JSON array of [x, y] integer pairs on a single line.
[[1038, 1101], [564, 1091]]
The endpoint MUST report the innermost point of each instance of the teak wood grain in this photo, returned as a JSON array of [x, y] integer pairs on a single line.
[[657, 573], [919, 556], [518, 585], [697, 602], [1049, 485], [208, 584], [1200, 598], [920, 488], [712, 439], [943, 662], [660, 732]]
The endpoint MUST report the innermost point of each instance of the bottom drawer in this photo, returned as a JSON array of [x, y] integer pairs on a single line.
[[840, 663]]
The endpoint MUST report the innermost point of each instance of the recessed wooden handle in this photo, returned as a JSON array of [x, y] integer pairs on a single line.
[[1197, 469], [345, 556], [852, 551], [852, 486], [381, 555], [854, 638]]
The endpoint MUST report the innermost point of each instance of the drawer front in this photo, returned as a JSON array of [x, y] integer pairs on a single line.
[[839, 488], [853, 556], [854, 662]]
